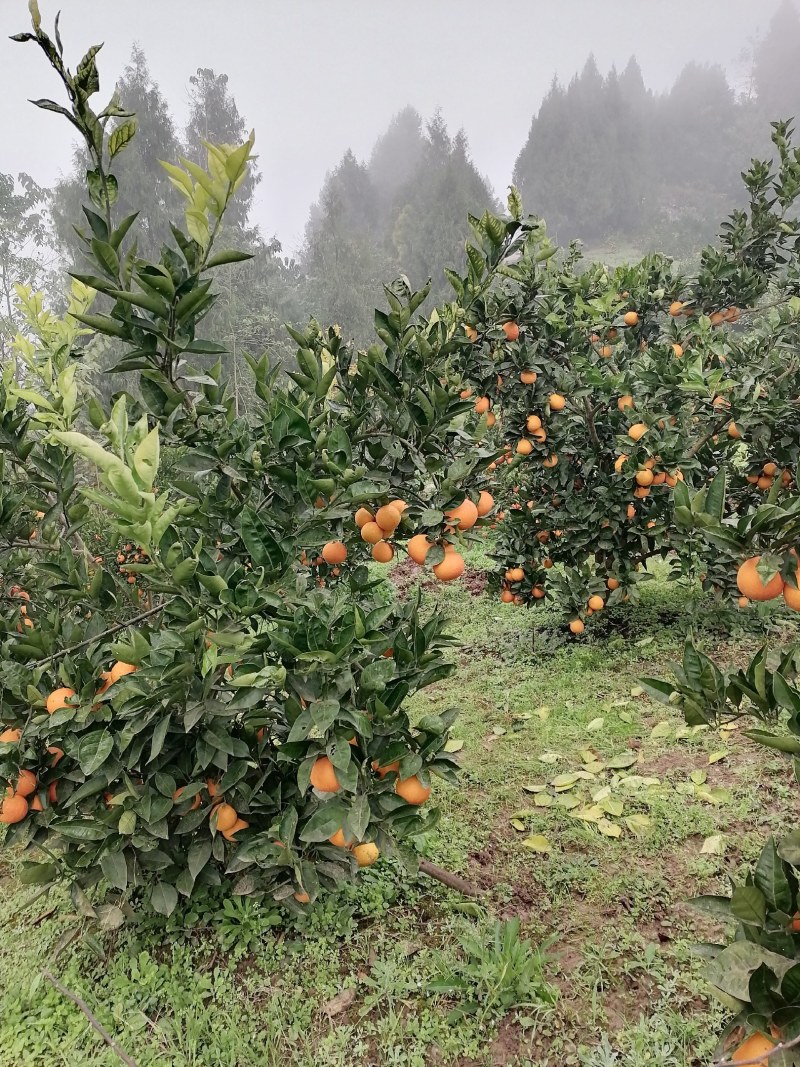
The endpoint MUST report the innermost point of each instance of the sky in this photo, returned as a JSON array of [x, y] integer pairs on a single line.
[[315, 77]]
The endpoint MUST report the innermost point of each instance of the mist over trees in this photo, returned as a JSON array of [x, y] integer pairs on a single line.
[[606, 159]]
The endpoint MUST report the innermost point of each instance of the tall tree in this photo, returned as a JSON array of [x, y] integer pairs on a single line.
[[776, 66], [22, 249]]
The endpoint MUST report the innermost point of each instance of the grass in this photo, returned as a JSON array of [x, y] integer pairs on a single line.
[[600, 971]]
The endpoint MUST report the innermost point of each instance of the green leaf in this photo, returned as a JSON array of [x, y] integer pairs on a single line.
[[263, 547], [94, 750], [115, 868], [537, 843], [771, 879], [37, 873], [376, 675], [749, 905], [163, 898], [121, 137], [230, 255]]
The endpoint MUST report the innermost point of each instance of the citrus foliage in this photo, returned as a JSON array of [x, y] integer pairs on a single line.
[[607, 389], [249, 717]]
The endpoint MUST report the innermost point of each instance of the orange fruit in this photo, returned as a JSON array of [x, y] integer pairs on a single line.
[[388, 518], [515, 574], [120, 669], [465, 394], [637, 431], [224, 816], [382, 552], [631, 511], [392, 767], [644, 477], [631, 318], [371, 533], [418, 548], [485, 503], [10, 737], [366, 854], [764, 482], [466, 515], [491, 419], [399, 506], [641, 492], [791, 595], [755, 1045], [557, 402], [744, 602], [362, 517], [537, 592], [323, 776], [240, 824], [52, 792], [596, 603], [678, 350], [13, 809], [625, 401], [302, 897], [528, 377], [451, 567], [675, 308], [619, 462], [612, 583], [412, 790], [36, 804], [576, 626], [750, 584], [57, 754], [551, 461], [58, 699], [334, 552], [540, 436], [482, 405], [196, 801], [770, 469], [606, 351], [338, 839], [734, 432], [533, 422], [524, 447], [507, 596], [511, 330], [26, 783]]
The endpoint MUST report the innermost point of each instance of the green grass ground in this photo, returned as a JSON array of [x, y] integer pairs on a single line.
[[350, 986]]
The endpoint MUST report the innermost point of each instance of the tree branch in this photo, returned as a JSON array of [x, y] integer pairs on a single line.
[[108, 633], [93, 1020], [707, 437], [452, 881], [764, 1059]]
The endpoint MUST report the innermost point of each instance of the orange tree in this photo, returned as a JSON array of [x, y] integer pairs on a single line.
[[246, 716], [609, 389]]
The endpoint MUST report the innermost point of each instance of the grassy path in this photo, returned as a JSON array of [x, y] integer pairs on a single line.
[[349, 986]]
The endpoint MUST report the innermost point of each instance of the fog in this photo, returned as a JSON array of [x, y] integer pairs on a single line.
[[316, 77]]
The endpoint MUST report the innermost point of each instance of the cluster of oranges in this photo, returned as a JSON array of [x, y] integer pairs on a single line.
[[461, 518], [765, 477], [223, 817], [128, 554], [375, 530], [17, 804], [753, 588], [16, 592]]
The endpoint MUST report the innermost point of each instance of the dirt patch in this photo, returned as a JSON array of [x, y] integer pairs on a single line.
[[407, 577]]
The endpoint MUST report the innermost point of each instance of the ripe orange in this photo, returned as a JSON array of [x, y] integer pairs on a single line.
[[382, 552], [675, 308], [619, 462], [491, 419], [466, 515], [515, 574], [52, 792], [511, 330], [557, 402], [388, 518], [576, 626], [302, 897], [734, 431], [225, 816], [371, 533], [338, 839], [533, 422], [755, 1045], [465, 394], [58, 699], [641, 492], [606, 351], [596, 603], [418, 548], [366, 854], [323, 776], [631, 511], [540, 436], [625, 401], [538, 592], [57, 754], [13, 809], [334, 552], [412, 790], [744, 602], [389, 768], [791, 595], [507, 596], [26, 783], [612, 583], [10, 737], [482, 405], [551, 461], [764, 482], [362, 517], [528, 377], [637, 431], [631, 318], [120, 669], [240, 824], [176, 797], [644, 477], [471, 333], [524, 447], [770, 469], [750, 583], [451, 567], [485, 503]]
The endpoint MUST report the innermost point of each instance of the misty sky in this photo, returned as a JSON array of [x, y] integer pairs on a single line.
[[315, 77]]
